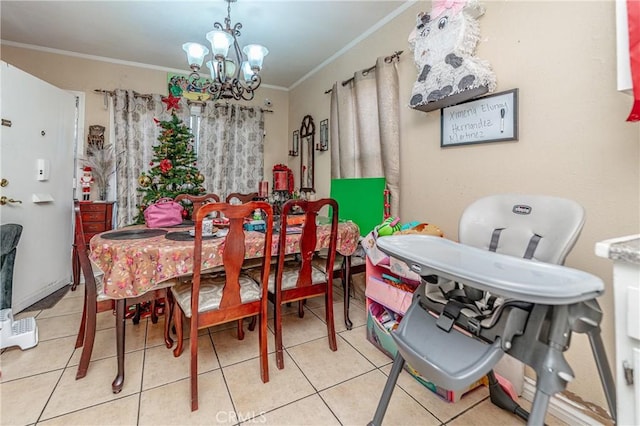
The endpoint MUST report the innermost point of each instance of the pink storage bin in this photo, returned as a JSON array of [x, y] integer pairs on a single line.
[[392, 297]]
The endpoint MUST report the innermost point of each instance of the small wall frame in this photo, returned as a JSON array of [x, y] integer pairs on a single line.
[[492, 118], [295, 144], [323, 144]]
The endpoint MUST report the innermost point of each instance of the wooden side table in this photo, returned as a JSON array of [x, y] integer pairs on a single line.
[[96, 218]]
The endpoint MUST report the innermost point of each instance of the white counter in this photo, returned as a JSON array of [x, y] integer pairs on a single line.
[[625, 253]]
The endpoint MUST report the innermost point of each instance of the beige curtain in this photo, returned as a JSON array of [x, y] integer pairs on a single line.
[[135, 133], [365, 127], [231, 150]]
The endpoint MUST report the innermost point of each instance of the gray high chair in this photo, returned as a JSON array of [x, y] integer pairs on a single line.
[[503, 287]]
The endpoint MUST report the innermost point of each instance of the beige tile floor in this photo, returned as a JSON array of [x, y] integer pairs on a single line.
[[316, 387]]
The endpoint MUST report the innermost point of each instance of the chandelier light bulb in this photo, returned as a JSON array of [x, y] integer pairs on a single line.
[[247, 72], [195, 53], [255, 55], [220, 43]]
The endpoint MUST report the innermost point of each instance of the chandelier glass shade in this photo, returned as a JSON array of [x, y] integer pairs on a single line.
[[234, 71]]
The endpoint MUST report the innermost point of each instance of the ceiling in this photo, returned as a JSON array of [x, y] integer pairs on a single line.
[[300, 34]]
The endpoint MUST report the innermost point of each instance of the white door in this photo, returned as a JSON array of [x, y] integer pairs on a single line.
[[37, 164]]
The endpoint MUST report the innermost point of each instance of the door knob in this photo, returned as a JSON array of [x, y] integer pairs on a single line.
[[4, 200]]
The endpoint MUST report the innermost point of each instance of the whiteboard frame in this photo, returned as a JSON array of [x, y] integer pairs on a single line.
[[509, 97]]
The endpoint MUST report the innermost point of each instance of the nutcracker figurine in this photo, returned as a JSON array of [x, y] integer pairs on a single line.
[[85, 180]]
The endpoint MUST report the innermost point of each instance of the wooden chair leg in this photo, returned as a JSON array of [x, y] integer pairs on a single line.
[[278, 328], [137, 315], [168, 314], [240, 330], [177, 319], [80, 338], [252, 324], [88, 331], [331, 329], [153, 306], [193, 345], [264, 357], [301, 308]]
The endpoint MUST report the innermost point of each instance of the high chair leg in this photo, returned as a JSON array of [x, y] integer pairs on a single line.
[[398, 363]]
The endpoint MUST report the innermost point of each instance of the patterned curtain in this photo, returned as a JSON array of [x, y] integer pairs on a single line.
[[135, 133], [365, 117], [231, 148]]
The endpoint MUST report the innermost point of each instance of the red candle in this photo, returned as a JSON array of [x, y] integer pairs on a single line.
[[280, 181], [263, 189]]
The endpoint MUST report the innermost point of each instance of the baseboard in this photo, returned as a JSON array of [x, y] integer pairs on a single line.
[[562, 407], [41, 294]]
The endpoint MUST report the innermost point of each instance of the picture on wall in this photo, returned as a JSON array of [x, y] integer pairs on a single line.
[[492, 118]]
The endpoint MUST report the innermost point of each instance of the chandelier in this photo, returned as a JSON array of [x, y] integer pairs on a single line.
[[234, 71]]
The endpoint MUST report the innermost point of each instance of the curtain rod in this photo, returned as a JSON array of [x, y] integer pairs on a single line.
[[394, 57], [189, 102]]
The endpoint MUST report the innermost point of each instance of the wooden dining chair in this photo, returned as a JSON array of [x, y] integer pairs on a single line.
[[197, 200], [208, 300], [95, 301], [242, 198], [296, 281]]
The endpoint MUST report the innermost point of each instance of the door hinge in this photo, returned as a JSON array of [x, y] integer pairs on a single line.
[[6, 122]]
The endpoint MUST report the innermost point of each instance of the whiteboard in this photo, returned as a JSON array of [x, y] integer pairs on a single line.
[[492, 118]]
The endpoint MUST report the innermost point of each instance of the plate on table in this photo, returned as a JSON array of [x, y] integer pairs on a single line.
[[184, 224], [187, 236], [133, 234], [213, 233]]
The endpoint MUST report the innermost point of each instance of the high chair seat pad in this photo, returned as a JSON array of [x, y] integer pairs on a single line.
[[211, 287], [508, 276]]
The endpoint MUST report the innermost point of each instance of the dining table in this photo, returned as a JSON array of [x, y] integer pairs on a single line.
[[135, 259]]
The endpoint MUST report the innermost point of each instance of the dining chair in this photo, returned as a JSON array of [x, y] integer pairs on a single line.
[[197, 200], [95, 301], [296, 281], [242, 198], [208, 300]]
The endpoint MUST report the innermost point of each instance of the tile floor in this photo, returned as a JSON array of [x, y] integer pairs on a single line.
[[317, 386]]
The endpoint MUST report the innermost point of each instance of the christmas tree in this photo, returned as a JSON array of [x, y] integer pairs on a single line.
[[173, 167]]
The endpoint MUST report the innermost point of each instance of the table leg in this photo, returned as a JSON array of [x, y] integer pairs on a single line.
[[347, 284], [118, 382]]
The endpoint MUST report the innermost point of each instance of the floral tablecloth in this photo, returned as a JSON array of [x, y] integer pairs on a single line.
[[133, 266]]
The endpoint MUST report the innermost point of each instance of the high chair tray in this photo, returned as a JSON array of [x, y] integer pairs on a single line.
[[507, 276]]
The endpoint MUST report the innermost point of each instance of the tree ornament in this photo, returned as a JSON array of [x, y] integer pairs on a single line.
[[199, 178], [144, 181], [172, 102], [165, 165]]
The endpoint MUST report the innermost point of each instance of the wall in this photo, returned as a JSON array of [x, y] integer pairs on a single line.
[[574, 141], [84, 75]]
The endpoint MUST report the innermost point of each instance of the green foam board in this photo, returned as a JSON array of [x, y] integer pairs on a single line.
[[360, 200]]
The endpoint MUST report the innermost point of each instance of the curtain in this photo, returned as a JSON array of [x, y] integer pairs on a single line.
[[135, 132], [231, 148], [365, 134]]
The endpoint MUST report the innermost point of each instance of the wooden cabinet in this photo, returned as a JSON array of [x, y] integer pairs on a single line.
[[96, 218]]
